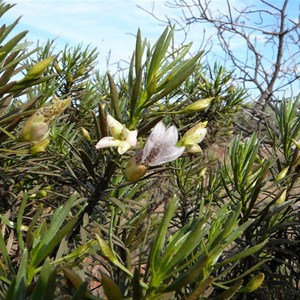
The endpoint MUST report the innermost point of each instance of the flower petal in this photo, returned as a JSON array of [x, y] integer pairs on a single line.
[[108, 141], [156, 137], [123, 147], [131, 137], [167, 155], [197, 136], [171, 136], [114, 126]]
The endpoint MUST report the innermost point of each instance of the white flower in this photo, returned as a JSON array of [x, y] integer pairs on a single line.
[[121, 137], [159, 149], [161, 146]]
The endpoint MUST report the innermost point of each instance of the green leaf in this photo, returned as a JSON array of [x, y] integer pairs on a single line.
[[184, 246], [247, 272], [243, 254], [115, 102], [45, 285], [226, 295], [17, 290], [200, 289], [185, 70], [46, 248], [20, 221], [159, 52], [227, 227], [137, 292], [135, 95], [138, 52], [108, 253], [190, 275], [4, 253], [5, 50], [156, 249], [111, 289]]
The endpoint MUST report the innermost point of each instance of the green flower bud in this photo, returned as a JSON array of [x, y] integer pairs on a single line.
[[199, 105], [282, 197], [85, 133], [39, 147], [253, 284], [38, 69], [282, 174]]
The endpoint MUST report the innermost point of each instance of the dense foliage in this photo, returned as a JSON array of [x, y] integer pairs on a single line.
[[147, 214]]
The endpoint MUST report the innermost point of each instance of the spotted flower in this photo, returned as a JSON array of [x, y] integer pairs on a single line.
[[120, 137], [160, 148]]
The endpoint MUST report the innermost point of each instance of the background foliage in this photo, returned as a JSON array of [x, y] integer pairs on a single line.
[[219, 224]]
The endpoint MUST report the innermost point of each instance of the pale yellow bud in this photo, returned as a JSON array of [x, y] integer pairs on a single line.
[[193, 149], [202, 172], [39, 147], [282, 174], [34, 130], [192, 137], [282, 197], [85, 133], [199, 105], [297, 144], [134, 171]]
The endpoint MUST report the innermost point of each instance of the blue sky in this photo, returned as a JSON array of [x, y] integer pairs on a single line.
[[105, 24], [110, 25]]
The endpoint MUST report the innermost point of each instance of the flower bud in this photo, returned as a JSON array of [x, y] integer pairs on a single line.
[[192, 137], [134, 171], [253, 284], [297, 144], [202, 172], [85, 133], [199, 105], [282, 174], [231, 89], [34, 130], [39, 147], [38, 69], [282, 197], [115, 127], [193, 149]]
